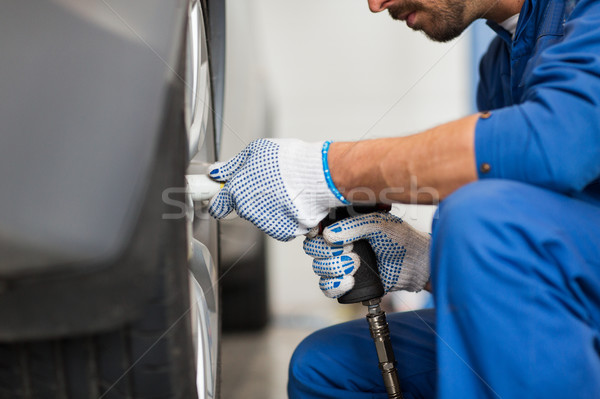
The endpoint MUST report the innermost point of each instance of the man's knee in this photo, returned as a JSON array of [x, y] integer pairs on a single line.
[[320, 354], [327, 363], [341, 361], [304, 360]]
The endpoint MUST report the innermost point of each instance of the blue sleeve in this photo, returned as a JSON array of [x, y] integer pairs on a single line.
[[552, 139]]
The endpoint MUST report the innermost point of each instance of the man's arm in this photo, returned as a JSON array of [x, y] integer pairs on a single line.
[[422, 168]]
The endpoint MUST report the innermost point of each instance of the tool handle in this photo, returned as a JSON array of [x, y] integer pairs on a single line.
[[367, 283]]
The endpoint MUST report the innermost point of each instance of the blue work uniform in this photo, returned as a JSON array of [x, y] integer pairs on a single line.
[[515, 256]]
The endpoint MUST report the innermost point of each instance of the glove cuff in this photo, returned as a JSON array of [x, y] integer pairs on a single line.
[[328, 179], [301, 166], [413, 278]]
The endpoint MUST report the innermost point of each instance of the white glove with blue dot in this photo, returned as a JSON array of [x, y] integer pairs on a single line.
[[281, 185], [402, 253]]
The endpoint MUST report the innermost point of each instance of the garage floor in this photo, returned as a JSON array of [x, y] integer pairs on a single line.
[[254, 365]]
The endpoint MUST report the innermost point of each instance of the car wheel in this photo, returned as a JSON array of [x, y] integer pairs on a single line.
[[150, 357], [170, 348]]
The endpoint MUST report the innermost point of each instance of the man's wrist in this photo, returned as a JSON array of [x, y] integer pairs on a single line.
[[428, 287]]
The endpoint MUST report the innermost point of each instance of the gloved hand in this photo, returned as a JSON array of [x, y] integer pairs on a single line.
[[402, 253], [280, 185]]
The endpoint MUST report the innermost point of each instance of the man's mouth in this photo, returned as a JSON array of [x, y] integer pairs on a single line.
[[408, 16], [402, 17], [410, 19]]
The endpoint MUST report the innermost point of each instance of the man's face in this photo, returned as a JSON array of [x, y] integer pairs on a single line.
[[440, 20]]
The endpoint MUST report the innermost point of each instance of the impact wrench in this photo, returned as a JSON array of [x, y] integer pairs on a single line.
[[368, 289]]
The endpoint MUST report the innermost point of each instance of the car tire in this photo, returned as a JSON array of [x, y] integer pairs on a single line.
[[151, 357], [149, 350]]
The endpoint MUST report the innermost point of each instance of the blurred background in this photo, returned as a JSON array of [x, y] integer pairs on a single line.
[[333, 70]]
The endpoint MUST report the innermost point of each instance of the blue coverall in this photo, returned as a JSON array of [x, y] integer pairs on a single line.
[[516, 255]]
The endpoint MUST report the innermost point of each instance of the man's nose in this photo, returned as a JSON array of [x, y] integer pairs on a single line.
[[378, 5]]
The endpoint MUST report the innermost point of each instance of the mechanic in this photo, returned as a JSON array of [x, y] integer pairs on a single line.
[[514, 254]]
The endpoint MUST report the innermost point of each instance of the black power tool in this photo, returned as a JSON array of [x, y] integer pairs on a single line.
[[368, 290]]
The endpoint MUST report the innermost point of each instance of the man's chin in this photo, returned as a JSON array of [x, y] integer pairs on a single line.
[[437, 35]]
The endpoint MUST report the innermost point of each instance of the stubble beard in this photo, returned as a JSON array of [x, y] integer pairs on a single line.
[[446, 19]]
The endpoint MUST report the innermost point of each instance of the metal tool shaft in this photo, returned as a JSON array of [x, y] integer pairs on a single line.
[[380, 333]]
